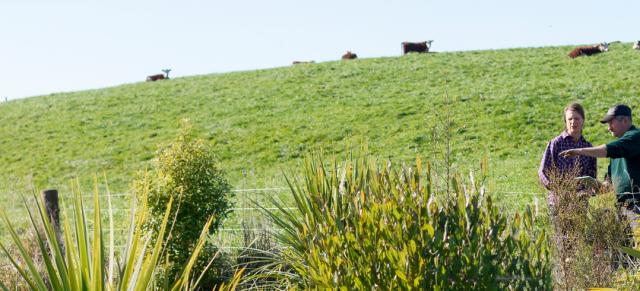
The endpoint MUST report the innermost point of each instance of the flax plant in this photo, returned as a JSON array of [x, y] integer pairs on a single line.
[[365, 226], [85, 263]]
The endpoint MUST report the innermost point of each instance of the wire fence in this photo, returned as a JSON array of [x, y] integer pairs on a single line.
[[246, 215], [245, 198], [246, 221]]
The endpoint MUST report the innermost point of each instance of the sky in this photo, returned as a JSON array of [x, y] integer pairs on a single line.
[[73, 45]]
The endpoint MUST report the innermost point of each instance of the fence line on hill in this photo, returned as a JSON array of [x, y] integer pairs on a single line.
[[20, 207], [245, 216]]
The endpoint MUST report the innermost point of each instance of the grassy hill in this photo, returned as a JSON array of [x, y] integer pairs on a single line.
[[505, 104]]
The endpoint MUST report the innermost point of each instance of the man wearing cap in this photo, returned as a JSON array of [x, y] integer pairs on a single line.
[[624, 154]]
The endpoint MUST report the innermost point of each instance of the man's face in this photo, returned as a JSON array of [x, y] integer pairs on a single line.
[[616, 127]]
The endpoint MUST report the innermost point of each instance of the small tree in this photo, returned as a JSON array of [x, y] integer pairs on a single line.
[[188, 171]]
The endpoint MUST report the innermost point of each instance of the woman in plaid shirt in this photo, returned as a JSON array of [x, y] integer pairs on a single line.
[[570, 138]]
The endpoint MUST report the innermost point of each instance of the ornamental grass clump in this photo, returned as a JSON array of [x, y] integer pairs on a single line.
[[85, 258], [365, 226]]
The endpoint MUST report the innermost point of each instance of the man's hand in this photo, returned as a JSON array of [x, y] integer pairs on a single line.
[[570, 153], [596, 152]]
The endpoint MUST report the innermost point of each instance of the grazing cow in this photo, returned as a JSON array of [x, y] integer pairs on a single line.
[[636, 46], [349, 56], [589, 50], [303, 62], [418, 47], [157, 77]]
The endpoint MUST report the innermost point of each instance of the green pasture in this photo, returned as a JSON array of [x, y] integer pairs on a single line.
[[503, 104]]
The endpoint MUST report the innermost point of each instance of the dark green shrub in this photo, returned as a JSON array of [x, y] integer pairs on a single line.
[[187, 170], [362, 226]]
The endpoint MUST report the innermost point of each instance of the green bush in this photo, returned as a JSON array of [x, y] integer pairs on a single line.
[[188, 171], [362, 226]]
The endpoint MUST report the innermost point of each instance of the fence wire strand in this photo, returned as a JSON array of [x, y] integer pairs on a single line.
[[244, 218]]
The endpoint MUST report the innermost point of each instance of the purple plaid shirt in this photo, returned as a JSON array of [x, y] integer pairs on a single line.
[[551, 158]]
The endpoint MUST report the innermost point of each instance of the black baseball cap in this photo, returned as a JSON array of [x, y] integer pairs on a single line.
[[618, 110]]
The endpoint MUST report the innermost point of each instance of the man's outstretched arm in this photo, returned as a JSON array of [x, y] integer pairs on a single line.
[[596, 152]]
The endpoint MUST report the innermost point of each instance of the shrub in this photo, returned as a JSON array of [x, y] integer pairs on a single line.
[[587, 232], [363, 226], [188, 171]]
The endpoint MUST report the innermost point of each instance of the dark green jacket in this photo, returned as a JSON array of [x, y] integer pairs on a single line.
[[624, 169]]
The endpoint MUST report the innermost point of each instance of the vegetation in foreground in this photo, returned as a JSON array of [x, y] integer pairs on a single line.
[[79, 260], [588, 237], [366, 226], [186, 171], [361, 225]]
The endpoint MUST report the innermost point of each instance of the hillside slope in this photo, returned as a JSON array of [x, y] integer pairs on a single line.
[[505, 104]]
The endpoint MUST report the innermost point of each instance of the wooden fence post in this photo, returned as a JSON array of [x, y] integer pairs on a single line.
[[50, 197]]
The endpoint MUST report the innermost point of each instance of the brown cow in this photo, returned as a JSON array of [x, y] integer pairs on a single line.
[[589, 50], [157, 77], [349, 56], [418, 47]]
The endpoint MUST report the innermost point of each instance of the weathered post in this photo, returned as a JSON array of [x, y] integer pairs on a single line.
[[50, 197]]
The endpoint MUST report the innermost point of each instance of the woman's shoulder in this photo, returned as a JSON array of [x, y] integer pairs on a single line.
[[557, 139]]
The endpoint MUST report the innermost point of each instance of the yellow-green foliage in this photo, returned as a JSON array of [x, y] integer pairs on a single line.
[[627, 279], [362, 226], [83, 262], [187, 171]]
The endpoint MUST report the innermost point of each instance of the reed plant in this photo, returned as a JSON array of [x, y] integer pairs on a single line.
[[362, 225]]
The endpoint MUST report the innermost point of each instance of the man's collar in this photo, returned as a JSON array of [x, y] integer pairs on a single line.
[[632, 127]]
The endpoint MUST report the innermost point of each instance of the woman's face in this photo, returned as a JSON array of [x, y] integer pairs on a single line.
[[573, 121]]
